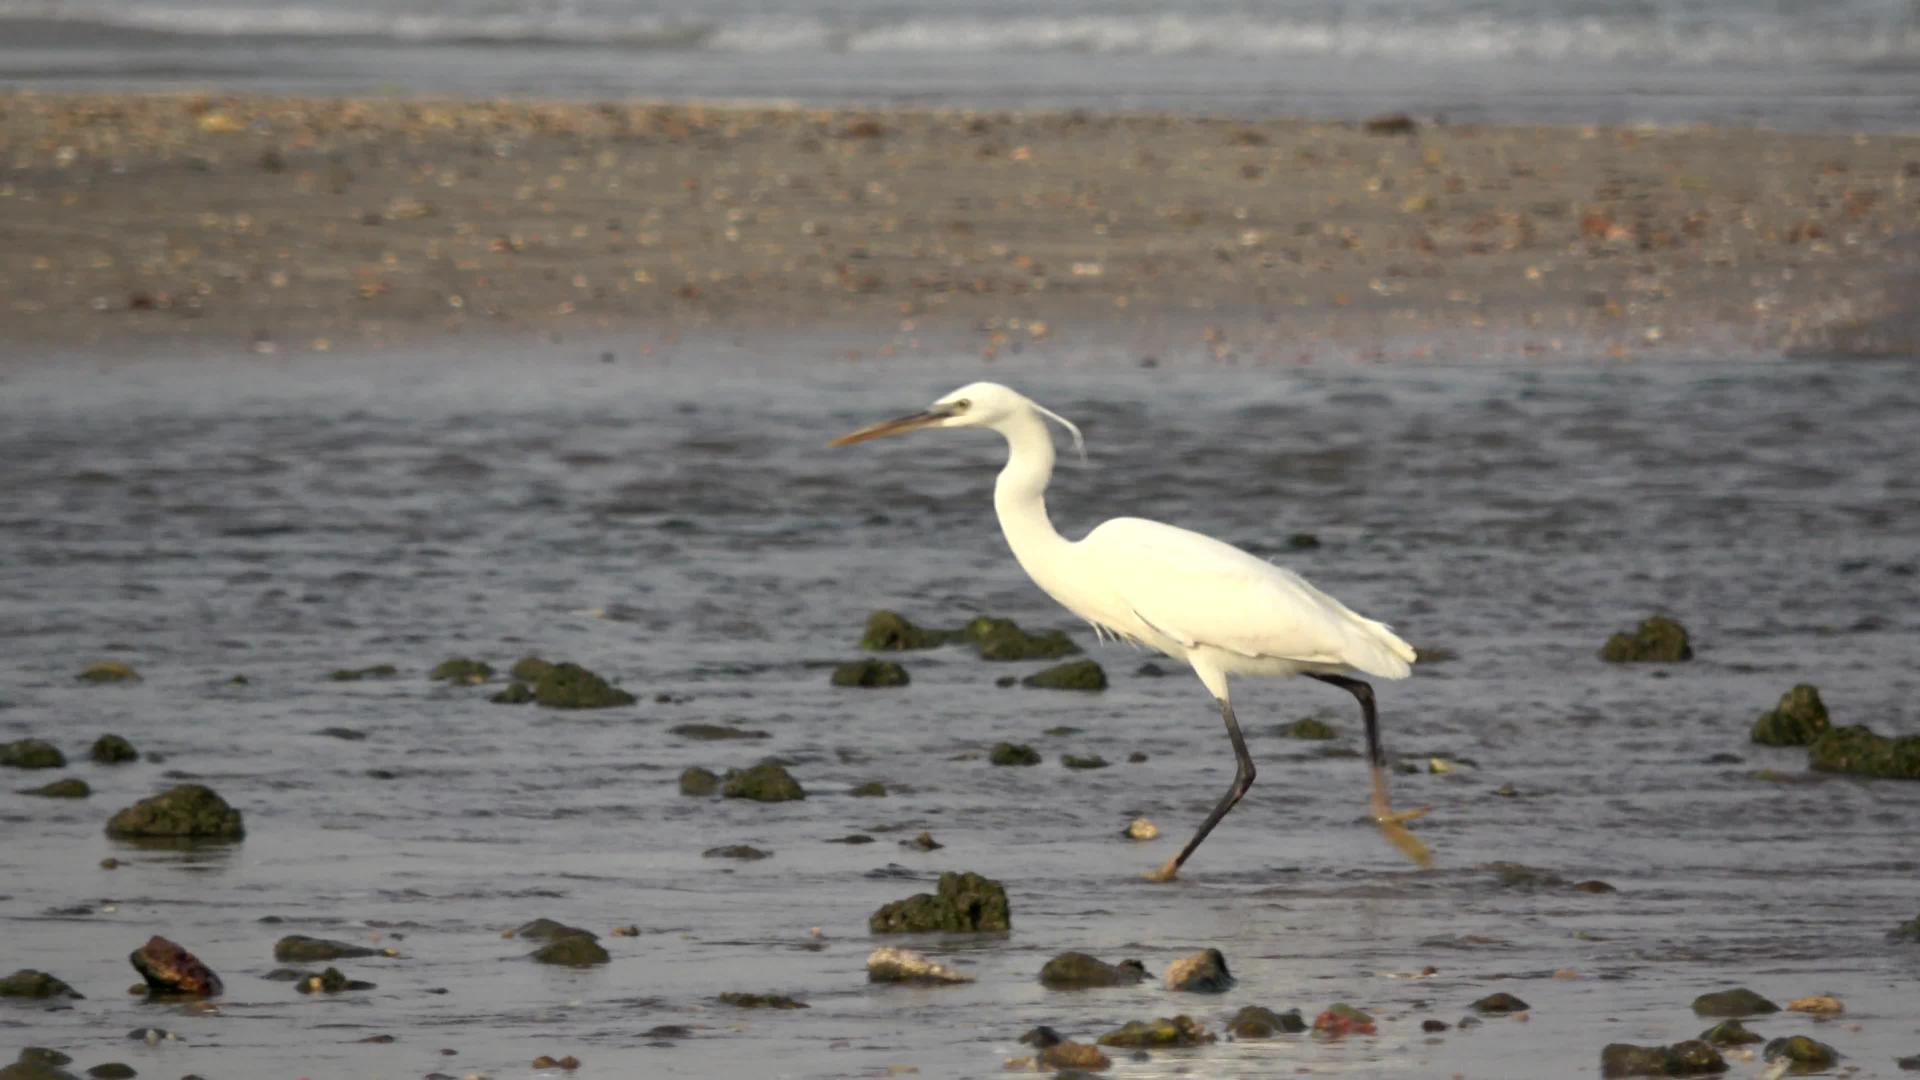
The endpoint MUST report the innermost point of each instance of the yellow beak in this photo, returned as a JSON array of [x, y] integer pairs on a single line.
[[899, 425]]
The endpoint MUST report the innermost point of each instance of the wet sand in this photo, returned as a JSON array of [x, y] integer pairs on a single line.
[[144, 222]]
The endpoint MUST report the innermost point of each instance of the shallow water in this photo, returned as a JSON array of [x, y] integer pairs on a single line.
[[679, 526]]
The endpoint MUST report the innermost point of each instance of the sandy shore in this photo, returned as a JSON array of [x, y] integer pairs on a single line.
[[157, 221]]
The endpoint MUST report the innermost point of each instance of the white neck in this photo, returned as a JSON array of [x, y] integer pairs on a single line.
[[1020, 495]]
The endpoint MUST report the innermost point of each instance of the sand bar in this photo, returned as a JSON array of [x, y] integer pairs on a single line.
[[142, 221]]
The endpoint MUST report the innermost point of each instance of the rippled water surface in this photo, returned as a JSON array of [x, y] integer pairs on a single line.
[[679, 526]]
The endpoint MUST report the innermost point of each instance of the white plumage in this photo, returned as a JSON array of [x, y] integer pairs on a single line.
[[1222, 610]]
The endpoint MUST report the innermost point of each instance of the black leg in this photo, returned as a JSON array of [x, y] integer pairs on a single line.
[[1392, 825], [1242, 780]]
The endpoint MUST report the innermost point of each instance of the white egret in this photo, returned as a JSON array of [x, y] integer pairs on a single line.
[[1223, 611]]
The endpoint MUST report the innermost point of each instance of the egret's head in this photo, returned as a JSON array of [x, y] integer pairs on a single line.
[[981, 404]]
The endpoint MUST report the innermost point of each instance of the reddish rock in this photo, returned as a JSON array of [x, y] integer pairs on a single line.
[[170, 969], [1341, 1020]]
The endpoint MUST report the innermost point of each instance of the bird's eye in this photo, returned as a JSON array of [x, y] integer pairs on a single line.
[[962, 405]]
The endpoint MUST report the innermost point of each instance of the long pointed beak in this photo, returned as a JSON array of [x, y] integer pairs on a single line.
[[899, 425]]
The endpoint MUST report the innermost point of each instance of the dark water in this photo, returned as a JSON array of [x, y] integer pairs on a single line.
[[680, 527]]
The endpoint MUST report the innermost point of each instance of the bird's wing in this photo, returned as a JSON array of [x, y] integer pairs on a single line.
[[1200, 591]]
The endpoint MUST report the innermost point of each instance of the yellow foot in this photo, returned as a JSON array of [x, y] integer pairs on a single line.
[[1401, 817], [1400, 837], [1165, 873]]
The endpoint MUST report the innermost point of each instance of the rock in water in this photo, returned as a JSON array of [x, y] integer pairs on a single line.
[[1906, 931], [1729, 1033], [1077, 970], [1798, 720], [742, 1000], [170, 969], [1203, 972], [297, 948], [1074, 675], [1310, 728], [461, 669], [31, 754], [1657, 640], [870, 673], [888, 631], [1499, 1004], [570, 686], [1073, 1058], [1739, 1001], [888, 964], [963, 902], [186, 812], [516, 693], [28, 983], [1002, 639], [1341, 1020], [528, 669], [1818, 1005], [762, 783], [38, 1063], [1166, 1031], [108, 671], [1803, 1052], [330, 981], [698, 781], [1690, 1058], [1254, 1022], [71, 787], [112, 750], [1856, 749], [1013, 754], [575, 949]]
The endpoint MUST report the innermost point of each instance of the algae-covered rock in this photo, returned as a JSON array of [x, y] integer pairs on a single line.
[[1074, 675], [186, 812], [888, 964], [889, 631], [377, 671], [963, 902], [108, 671], [1079, 761], [570, 686], [743, 852], [112, 1070], [1204, 972], [1657, 640], [1691, 1058], [1002, 639], [1906, 931], [528, 669], [1739, 1001], [1729, 1033], [71, 787], [1078, 971], [28, 983], [1254, 1022], [698, 781], [765, 782], [1013, 754], [172, 970], [461, 669], [870, 673], [1166, 1031], [1499, 1004], [112, 750], [31, 754], [1074, 1059], [514, 693], [549, 930], [36, 1063], [872, 789], [742, 1000], [573, 950], [300, 949], [1309, 728], [704, 732], [1804, 1054], [1341, 1019], [1856, 749], [330, 981], [1798, 720]]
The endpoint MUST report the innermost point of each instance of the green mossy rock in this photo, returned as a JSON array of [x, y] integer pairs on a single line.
[[889, 631], [1013, 754], [743, 852], [300, 949], [870, 673], [1002, 639], [36, 1068], [1806, 1054], [573, 950], [1309, 728], [112, 1070], [765, 782], [461, 669], [1798, 720], [1657, 640], [112, 750], [704, 732], [69, 788], [108, 671], [1906, 931], [1166, 1031], [1690, 1058], [1729, 1033], [515, 693], [872, 789], [31, 754], [187, 812], [549, 930], [330, 981], [1739, 1001], [570, 686], [1076, 761], [698, 781], [1076, 675], [1254, 1022], [377, 671], [28, 983], [1077, 971], [1857, 750], [1499, 1004], [528, 669], [741, 1000], [963, 902]]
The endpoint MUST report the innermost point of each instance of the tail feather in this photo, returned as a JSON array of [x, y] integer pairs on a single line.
[[1375, 649]]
